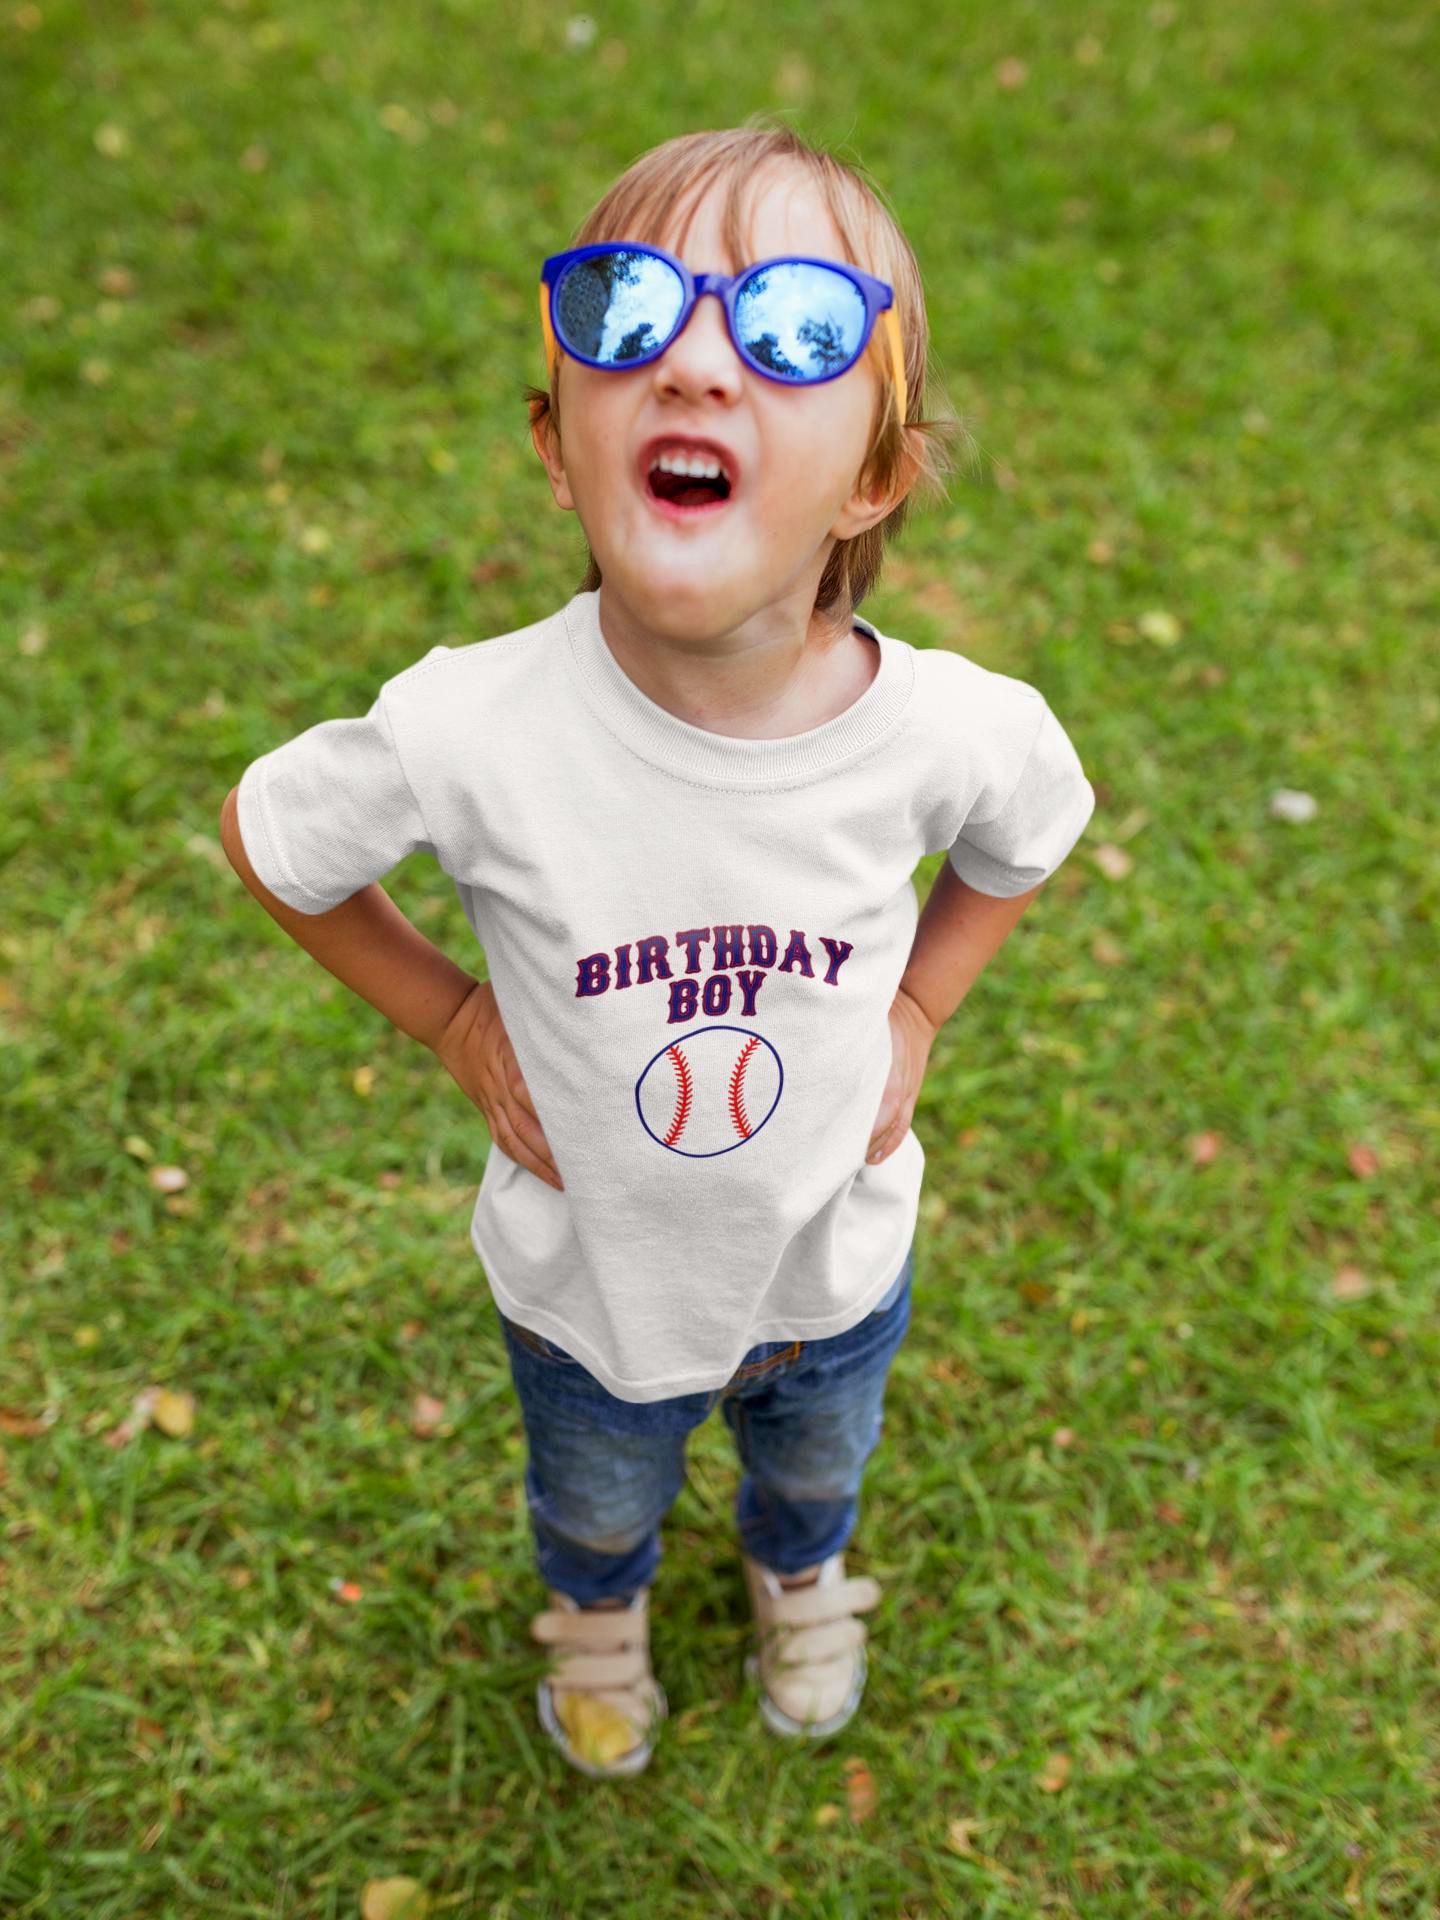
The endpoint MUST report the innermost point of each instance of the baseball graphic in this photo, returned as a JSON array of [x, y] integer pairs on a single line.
[[710, 1090]]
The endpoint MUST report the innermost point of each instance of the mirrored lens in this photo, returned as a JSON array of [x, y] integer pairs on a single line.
[[802, 322], [617, 306]]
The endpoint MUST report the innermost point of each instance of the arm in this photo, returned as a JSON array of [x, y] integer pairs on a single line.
[[960, 931], [367, 943]]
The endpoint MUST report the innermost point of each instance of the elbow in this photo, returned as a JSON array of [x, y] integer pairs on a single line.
[[230, 837]]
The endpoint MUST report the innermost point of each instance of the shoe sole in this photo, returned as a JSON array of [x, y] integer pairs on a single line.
[[780, 1722], [635, 1761]]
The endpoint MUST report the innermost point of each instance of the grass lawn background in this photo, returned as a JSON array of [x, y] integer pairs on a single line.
[[1158, 1485]]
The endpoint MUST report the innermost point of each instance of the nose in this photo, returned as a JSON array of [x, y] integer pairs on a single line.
[[702, 358]]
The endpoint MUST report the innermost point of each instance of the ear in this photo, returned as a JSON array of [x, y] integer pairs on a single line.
[[547, 445], [867, 506]]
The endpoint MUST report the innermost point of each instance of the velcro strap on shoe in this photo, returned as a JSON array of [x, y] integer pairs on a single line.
[[803, 1646], [804, 1606], [604, 1629], [620, 1669]]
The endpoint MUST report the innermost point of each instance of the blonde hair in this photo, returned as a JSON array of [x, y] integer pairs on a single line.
[[917, 452]]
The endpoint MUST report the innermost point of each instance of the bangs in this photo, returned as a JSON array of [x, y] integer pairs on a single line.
[[656, 199]]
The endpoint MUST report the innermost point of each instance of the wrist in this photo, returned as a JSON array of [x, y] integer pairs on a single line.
[[920, 1008], [453, 1021]]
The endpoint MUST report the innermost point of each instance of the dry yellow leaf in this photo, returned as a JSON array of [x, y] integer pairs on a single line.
[[598, 1731], [173, 1413], [399, 1898], [1160, 626]]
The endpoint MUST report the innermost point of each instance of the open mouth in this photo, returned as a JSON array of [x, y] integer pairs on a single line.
[[688, 483], [683, 491]]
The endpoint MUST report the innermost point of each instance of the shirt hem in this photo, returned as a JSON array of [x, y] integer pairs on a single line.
[[644, 1391]]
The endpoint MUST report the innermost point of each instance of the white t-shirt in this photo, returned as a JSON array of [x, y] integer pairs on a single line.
[[694, 942]]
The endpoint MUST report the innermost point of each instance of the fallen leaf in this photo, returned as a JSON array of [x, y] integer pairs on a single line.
[[173, 1413], [1161, 627], [135, 1421], [1287, 804], [859, 1789], [24, 1426], [168, 1179], [363, 1081], [1011, 73], [1364, 1161], [86, 1336], [1064, 1436], [1349, 1284], [426, 1414], [1053, 1775], [598, 1731], [399, 1898], [1167, 1511], [1113, 861], [1204, 1147], [826, 1814], [487, 1594], [960, 1835]]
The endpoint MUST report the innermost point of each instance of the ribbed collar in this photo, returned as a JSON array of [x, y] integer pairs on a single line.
[[723, 759]]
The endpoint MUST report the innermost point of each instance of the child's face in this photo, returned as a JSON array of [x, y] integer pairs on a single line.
[[797, 451]]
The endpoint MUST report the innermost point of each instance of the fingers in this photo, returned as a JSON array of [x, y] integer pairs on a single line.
[[517, 1123], [516, 1088], [522, 1139]]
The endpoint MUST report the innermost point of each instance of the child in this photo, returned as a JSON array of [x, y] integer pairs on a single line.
[[683, 812]]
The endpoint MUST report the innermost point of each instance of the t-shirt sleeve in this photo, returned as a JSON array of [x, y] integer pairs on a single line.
[[1017, 845], [330, 811]]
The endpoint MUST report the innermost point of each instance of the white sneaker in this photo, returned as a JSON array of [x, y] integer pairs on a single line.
[[809, 1658], [600, 1694]]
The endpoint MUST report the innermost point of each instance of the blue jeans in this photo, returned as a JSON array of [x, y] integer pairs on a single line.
[[602, 1473]]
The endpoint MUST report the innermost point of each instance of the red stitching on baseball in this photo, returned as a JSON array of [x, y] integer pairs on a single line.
[[737, 1089], [684, 1094]]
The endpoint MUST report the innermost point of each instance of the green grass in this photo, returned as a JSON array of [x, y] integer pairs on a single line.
[[1182, 288]]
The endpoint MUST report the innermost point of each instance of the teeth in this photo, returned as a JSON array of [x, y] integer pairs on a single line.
[[699, 466]]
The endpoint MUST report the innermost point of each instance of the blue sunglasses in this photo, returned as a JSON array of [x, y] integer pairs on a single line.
[[794, 319]]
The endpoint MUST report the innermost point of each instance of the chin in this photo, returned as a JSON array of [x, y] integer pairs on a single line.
[[688, 595]]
